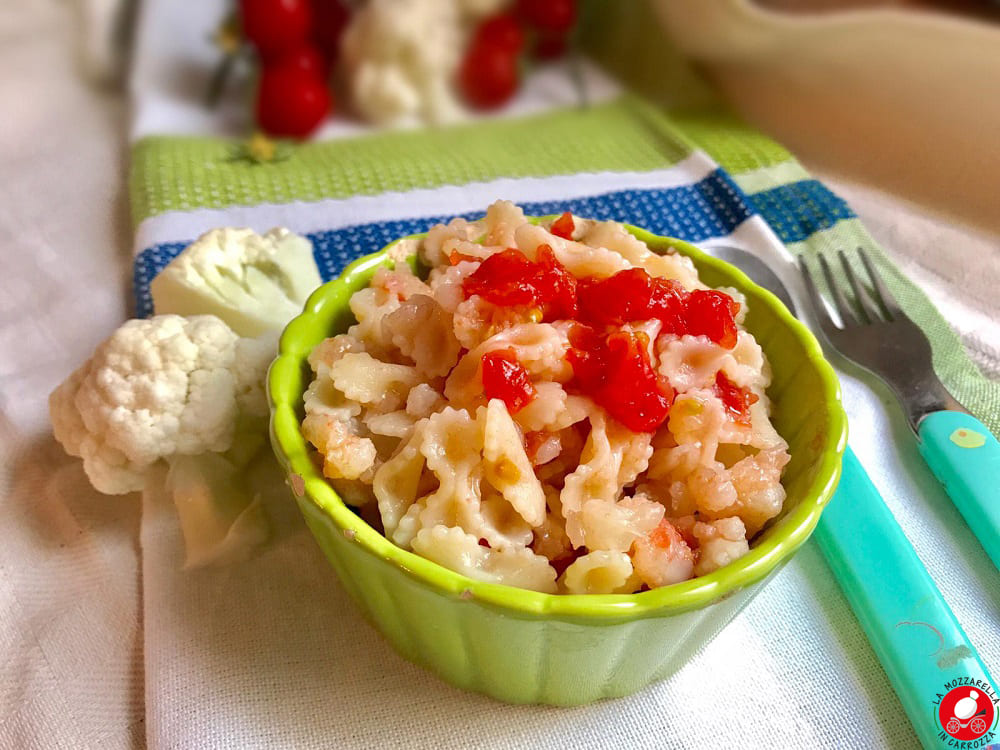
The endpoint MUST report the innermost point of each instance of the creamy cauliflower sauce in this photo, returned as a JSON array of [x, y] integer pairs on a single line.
[[554, 407]]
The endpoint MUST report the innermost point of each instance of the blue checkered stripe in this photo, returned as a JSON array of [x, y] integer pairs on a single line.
[[712, 207]]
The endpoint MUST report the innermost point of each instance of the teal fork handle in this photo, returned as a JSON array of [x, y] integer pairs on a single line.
[[965, 457], [908, 623]]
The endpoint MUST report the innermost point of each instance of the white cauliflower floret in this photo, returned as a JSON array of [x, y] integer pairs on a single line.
[[185, 390], [155, 388], [255, 283], [401, 57]]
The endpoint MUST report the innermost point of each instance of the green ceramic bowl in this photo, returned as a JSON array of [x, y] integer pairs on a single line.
[[527, 647]]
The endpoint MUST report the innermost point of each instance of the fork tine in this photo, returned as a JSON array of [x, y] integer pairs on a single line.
[[869, 310], [825, 321], [885, 296], [838, 297]]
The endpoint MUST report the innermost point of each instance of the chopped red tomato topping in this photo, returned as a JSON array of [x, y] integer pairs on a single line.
[[509, 278], [633, 294], [615, 371], [711, 313], [736, 400], [506, 379], [563, 226]]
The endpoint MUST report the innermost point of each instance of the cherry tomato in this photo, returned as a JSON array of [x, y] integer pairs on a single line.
[[291, 102], [502, 30], [330, 18], [275, 26], [548, 15], [550, 46], [305, 59], [489, 75]]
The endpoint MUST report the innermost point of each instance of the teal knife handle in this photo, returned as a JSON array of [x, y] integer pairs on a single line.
[[908, 623], [965, 457]]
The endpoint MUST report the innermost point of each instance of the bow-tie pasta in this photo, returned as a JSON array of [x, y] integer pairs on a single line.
[[552, 406]]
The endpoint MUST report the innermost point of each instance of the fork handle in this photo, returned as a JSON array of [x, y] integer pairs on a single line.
[[909, 624], [965, 457]]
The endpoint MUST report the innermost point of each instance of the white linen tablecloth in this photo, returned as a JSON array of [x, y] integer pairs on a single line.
[[71, 590]]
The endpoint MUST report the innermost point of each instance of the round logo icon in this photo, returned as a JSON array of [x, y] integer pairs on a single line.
[[966, 713]]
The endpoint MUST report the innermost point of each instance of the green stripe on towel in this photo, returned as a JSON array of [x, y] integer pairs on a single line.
[[182, 173]]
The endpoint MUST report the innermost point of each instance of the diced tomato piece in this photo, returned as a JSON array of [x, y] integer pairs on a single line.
[[711, 313], [631, 295], [503, 279], [556, 286], [736, 400], [615, 371], [508, 278], [563, 226], [506, 379]]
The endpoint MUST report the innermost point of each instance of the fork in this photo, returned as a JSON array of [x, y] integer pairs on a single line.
[[876, 334]]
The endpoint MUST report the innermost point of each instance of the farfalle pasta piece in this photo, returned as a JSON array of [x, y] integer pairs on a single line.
[[600, 572], [503, 218], [457, 550], [453, 446], [539, 347], [397, 481], [329, 350], [616, 525], [397, 424], [322, 398], [698, 417], [612, 456], [368, 380], [613, 236], [545, 409], [476, 320], [370, 306], [421, 330], [747, 367], [506, 466], [423, 400], [550, 538], [689, 362], [579, 259], [432, 249], [446, 283]]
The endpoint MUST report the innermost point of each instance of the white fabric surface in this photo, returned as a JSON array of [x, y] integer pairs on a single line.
[[272, 653]]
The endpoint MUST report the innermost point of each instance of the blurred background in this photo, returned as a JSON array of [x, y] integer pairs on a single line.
[[902, 94]]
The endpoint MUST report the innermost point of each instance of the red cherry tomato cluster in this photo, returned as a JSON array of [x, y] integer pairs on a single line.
[[297, 42], [491, 69]]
